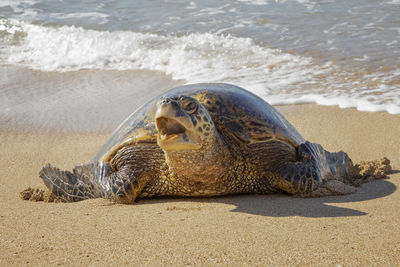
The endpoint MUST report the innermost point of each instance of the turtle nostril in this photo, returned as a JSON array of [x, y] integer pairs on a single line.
[[165, 101]]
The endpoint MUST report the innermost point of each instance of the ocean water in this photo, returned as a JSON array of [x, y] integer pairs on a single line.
[[75, 64]]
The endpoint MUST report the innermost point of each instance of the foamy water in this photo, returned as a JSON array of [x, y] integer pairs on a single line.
[[287, 52]]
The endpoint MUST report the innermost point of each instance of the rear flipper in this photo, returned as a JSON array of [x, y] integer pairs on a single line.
[[306, 179], [320, 173], [345, 176], [71, 186]]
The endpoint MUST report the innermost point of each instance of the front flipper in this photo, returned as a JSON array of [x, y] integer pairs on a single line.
[[125, 185], [132, 168]]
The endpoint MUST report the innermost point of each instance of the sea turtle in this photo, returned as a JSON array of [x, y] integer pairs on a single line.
[[205, 140]]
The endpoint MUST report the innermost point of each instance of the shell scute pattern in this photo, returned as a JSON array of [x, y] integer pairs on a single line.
[[246, 116]]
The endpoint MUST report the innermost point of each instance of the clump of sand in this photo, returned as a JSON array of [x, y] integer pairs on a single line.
[[367, 171], [38, 195]]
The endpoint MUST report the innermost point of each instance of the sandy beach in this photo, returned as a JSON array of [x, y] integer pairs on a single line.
[[362, 229], [72, 71]]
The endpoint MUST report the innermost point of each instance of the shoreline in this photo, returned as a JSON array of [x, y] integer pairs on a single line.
[[358, 229], [79, 101], [82, 101]]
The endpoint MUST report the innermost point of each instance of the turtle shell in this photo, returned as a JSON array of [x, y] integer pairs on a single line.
[[235, 110]]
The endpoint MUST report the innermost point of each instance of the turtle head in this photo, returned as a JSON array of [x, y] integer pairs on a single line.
[[183, 123]]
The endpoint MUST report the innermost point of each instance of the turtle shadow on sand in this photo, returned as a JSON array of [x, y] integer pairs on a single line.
[[285, 205]]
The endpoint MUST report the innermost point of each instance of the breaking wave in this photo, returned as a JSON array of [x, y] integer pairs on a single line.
[[277, 76]]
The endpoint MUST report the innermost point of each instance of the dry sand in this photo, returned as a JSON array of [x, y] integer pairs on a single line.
[[354, 230]]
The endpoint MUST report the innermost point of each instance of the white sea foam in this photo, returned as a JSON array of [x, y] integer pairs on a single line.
[[79, 15], [255, 2], [7, 27], [192, 5], [341, 101], [101, 17], [393, 2], [280, 78], [193, 57]]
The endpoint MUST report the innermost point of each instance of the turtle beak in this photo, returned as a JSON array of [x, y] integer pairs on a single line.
[[174, 127], [169, 127]]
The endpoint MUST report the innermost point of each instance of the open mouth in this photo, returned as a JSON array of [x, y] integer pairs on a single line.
[[169, 128]]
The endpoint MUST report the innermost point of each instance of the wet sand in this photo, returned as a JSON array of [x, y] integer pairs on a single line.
[[360, 229]]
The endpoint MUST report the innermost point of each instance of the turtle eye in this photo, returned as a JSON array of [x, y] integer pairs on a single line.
[[191, 107]]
